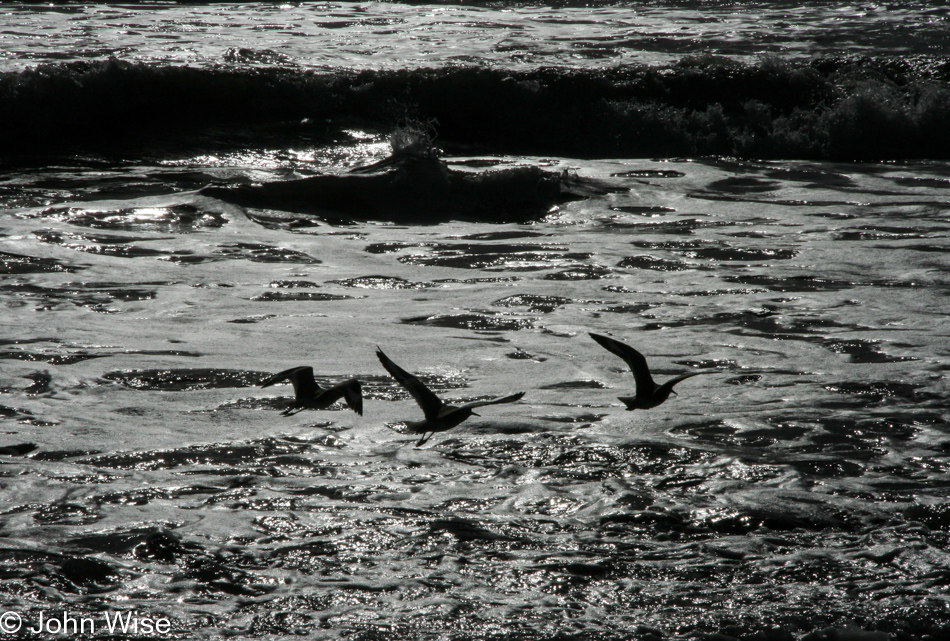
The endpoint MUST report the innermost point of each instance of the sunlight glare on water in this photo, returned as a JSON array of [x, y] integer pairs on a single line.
[[181, 223], [818, 326], [386, 35]]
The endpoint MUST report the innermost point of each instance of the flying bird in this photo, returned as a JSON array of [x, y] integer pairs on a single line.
[[312, 396], [648, 393], [438, 416]]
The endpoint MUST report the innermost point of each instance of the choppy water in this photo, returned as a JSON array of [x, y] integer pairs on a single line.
[[374, 35], [796, 490]]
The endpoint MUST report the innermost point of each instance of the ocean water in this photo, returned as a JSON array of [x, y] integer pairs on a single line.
[[758, 192]]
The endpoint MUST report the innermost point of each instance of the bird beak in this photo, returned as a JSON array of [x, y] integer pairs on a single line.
[[475, 414], [674, 392]]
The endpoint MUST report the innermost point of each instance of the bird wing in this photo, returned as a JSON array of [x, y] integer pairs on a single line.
[[349, 390], [427, 400], [353, 394], [300, 377], [673, 381], [633, 358], [493, 401]]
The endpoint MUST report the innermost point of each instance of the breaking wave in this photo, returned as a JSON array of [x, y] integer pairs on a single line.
[[839, 108]]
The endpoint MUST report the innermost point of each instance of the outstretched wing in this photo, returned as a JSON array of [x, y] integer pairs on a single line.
[[668, 385], [429, 402], [493, 401], [633, 358], [301, 378], [352, 392]]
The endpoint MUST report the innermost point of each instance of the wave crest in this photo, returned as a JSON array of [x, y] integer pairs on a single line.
[[828, 108]]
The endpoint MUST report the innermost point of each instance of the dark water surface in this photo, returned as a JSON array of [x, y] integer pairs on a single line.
[[708, 210]]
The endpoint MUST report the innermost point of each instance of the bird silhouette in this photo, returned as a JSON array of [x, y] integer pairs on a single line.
[[438, 416], [309, 395], [648, 393]]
